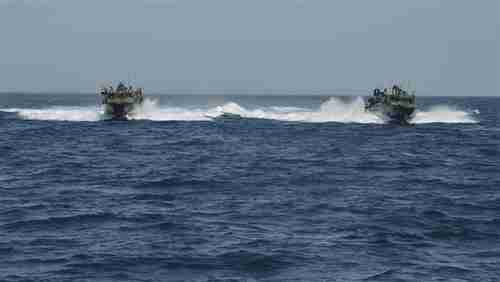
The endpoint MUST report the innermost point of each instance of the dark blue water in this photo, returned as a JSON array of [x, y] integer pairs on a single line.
[[176, 196]]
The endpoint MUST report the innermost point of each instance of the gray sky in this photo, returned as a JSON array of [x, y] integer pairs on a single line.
[[447, 47]]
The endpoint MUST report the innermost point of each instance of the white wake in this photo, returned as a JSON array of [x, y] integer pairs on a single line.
[[444, 114], [59, 113], [150, 110], [332, 110]]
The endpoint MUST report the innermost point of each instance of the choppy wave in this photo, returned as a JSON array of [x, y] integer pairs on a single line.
[[248, 200], [332, 110]]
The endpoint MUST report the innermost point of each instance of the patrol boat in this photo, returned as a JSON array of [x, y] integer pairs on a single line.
[[394, 105], [120, 103]]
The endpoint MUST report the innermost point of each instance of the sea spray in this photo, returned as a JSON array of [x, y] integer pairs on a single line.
[[332, 110], [443, 114], [350, 111], [150, 110], [61, 114]]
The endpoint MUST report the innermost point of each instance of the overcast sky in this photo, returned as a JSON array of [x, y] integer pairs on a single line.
[[447, 47]]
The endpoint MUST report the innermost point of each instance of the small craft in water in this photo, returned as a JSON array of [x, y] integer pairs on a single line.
[[395, 105], [121, 102]]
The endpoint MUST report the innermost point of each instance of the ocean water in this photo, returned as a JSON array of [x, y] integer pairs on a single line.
[[303, 188]]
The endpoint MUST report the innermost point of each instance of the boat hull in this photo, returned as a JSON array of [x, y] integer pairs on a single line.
[[119, 111], [395, 114], [393, 105]]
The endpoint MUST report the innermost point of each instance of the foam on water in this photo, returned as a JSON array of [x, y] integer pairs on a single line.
[[332, 110], [60, 113], [444, 114], [150, 110]]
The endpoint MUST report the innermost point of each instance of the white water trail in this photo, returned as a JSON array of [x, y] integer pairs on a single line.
[[444, 114], [150, 110], [60, 113], [332, 110]]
